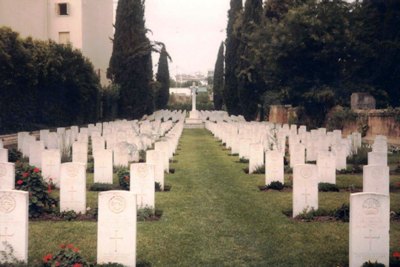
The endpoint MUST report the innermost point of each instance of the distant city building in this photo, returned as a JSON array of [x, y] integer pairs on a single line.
[[198, 77], [85, 24]]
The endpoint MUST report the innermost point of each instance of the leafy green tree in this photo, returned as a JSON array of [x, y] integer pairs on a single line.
[[162, 94], [218, 82], [251, 86], [130, 64], [230, 93]]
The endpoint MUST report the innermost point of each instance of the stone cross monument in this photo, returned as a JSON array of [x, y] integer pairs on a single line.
[[194, 114]]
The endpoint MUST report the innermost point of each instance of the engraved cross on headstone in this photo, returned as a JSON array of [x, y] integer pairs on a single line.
[[5, 235], [101, 167], [116, 238], [72, 191], [305, 194], [370, 237]]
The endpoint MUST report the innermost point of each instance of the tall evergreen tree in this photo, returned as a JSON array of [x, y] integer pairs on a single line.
[[251, 85], [162, 94], [218, 83], [130, 63], [230, 92]]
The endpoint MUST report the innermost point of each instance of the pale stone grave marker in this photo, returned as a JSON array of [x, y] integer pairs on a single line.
[[256, 159], [80, 152], [274, 167], [369, 229], [376, 179], [162, 147], [51, 164], [244, 145], [7, 176], [20, 138], [340, 153], [103, 167], [3, 155], [305, 188], [35, 153], [142, 184], [377, 158], [298, 155], [121, 155], [44, 136], [326, 167], [153, 157], [116, 228], [52, 141], [73, 187], [14, 222]]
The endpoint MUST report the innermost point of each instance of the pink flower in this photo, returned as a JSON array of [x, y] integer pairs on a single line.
[[36, 170], [19, 182], [25, 174]]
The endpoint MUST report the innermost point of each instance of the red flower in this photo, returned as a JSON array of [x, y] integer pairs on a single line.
[[396, 254], [70, 246], [19, 182], [57, 264], [77, 265], [76, 250], [36, 170], [25, 174], [62, 246], [47, 258]]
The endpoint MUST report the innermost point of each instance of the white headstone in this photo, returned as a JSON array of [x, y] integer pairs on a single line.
[[116, 230], [35, 154], [369, 229], [297, 155], [326, 163], [256, 158], [14, 223], [376, 179], [103, 167], [377, 158], [305, 188], [52, 141], [142, 184], [244, 148], [73, 187], [51, 164], [80, 152], [7, 176], [121, 155], [340, 153], [153, 157], [274, 167], [3, 155]]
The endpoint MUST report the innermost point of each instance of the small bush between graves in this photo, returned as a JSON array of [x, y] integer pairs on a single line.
[[123, 178], [373, 264], [342, 213], [68, 255], [351, 169], [243, 160], [69, 215], [260, 169], [148, 214], [311, 215], [14, 155], [157, 187], [172, 170], [361, 158], [98, 187], [28, 178], [327, 187]]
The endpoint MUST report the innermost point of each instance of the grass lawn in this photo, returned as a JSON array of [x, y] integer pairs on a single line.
[[215, 215]]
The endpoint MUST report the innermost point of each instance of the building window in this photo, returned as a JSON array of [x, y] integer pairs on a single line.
[[63, 9], [63, 38]]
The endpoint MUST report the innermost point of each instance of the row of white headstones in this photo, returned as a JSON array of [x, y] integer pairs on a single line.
[[264, 143], [117, 209]]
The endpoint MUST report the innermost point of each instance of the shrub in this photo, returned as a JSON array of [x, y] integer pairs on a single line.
[[260, 169], [327, 187], [124, 178], [342, 213], [69, 215], [148, 214], [7, 258], [67, 256], [373, 264], [275, 185], [103, 187], [309, 215], [361, 158], [14, 155], [243, 160], [29, 178], [338, 118]]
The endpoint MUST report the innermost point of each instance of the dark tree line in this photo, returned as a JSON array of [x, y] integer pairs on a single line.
[[311, 54], [44, 84]]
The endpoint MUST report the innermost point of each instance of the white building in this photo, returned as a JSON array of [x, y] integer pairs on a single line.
[[86, 24]]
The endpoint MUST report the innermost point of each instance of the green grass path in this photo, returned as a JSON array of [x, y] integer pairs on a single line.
[[215, 215]]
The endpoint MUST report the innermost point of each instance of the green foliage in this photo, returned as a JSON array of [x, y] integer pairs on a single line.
[[162, 77], [342, 213], [148, 214], [260, 169], [130, 64], [40, 81], [7, 257], [327, 187], [14, 155], [109, 101], [218, 81], [310, 215], [29, 178], [373, 264], [68, 215], [67, 256], [275, 185], [232, 58], [103, 187], [361, 158], [124, 178], [337, 119]]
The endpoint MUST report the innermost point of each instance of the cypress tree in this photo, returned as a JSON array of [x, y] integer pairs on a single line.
[[219, 78], [251, 86], [162, 94], [232, 58], [130, 63]]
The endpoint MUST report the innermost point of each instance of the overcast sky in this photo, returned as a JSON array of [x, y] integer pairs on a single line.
[[192, 31]]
